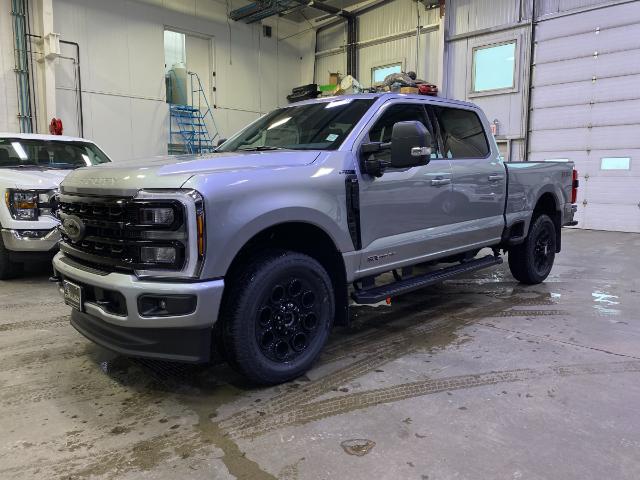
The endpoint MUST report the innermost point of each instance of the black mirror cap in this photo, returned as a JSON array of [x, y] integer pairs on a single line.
[[410, 145]]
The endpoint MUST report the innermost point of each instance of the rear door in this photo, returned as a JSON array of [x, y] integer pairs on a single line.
[[403, 213], [476, 206]]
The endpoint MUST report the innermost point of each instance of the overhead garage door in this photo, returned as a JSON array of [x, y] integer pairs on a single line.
[[586, 108]]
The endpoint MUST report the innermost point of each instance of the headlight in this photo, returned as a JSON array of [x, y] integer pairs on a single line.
[[156, 215], [158, 255], [22, 204], [172, 224]]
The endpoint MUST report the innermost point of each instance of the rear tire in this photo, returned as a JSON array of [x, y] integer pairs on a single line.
[[8, 269], [277, 316], [532, 261]]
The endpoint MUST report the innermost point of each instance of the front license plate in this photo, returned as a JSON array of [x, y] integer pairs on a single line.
[[73, 295]]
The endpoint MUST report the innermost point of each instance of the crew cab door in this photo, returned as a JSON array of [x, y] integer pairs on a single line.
[[402, 213], [479, 177]]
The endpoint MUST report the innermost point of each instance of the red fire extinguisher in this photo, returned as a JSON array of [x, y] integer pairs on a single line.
[[55, 127]]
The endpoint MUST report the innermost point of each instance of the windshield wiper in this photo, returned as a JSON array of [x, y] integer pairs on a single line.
[[262, 148], [62, 166], [39, 167]]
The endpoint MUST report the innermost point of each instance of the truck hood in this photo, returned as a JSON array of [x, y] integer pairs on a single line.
[[125, 178], [32, 179]]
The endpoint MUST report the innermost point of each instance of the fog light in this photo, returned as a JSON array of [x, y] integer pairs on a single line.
[[166, 305], [161, 255], [32, 233]]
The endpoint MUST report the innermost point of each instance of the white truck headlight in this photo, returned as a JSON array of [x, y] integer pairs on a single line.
[[22, 204], [158, 255], [156, 216], [172, 224]]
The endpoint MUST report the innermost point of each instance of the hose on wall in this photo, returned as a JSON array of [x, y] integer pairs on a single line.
[[19, 11]]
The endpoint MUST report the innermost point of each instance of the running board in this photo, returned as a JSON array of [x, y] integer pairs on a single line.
[[378, 294]]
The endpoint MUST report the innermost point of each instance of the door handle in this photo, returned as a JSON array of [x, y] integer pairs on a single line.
[[495, 177], [440, 181]]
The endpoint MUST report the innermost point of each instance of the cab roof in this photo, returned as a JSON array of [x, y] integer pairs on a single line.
[[48, 138], [387, 96]]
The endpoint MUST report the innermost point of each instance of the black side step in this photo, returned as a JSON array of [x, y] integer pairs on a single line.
[[381, 293]]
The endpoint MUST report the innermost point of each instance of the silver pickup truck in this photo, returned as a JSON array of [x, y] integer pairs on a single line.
[[254, 252]]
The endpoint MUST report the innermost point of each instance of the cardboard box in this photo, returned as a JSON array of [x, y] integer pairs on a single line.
[[334, 78]]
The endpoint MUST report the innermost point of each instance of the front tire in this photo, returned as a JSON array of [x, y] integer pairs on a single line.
[[8, 269], [532, 261], [277, 316]]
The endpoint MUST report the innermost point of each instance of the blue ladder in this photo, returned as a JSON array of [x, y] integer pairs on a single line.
[[188, 123]]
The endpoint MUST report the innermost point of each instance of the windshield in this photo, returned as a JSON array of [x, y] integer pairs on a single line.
[[315, 126], [48, 154]]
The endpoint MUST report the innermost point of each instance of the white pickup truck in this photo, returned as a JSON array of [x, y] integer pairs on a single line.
[[31, 169]]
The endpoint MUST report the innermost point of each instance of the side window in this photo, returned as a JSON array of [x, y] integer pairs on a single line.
[[462, 133], [400, 112]]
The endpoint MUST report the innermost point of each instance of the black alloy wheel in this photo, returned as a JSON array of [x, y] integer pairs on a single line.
[[287, 320], [277, 312], [532, 261], [542, 251]]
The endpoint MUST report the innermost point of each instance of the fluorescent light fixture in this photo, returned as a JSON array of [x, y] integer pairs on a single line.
[[337, 103], [278, 123], [19, 150]]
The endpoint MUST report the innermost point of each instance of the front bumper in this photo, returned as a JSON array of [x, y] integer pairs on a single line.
[[16, 241], [185, 338]]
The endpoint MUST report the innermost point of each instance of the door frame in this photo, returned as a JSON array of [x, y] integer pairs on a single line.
[[212, 56]]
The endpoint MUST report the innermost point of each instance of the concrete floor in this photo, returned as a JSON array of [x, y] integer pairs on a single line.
[[480, 378]]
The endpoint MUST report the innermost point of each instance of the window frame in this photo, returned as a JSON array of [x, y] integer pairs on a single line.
[[473, 48], [436, 122], [386, 63], [364, 137], [615, 169]]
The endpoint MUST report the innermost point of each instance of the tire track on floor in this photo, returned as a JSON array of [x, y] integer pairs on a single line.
[[388, 346], [356, 401]]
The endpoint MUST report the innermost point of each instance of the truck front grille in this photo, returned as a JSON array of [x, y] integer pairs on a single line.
[[111, 237]]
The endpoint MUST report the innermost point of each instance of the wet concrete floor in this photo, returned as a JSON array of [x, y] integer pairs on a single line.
[[479, 378]]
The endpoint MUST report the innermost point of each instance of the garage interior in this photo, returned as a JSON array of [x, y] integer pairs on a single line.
[[479, 377]]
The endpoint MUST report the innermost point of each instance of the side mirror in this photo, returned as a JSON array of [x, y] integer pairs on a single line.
[[410, 145]]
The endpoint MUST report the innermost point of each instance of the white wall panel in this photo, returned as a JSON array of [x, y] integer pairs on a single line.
[[585, 115], [614, 64], [587, 21], [122, 65], [329, 64], [466, 16], [546, 7], [144, 134], [393, 18], [146, 72], [589, 44], [587, 107], [66, 101], [332, 37], [109, 119], [603, 90]]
